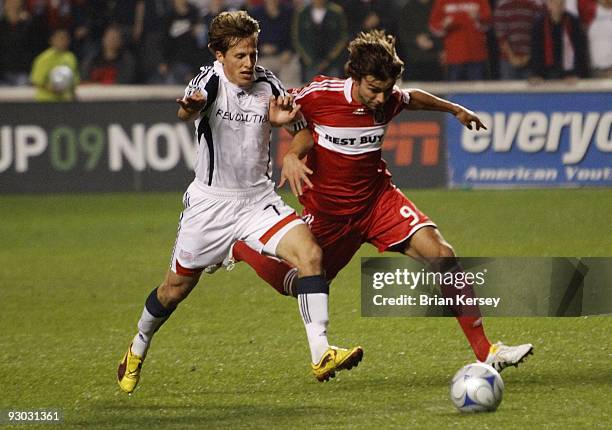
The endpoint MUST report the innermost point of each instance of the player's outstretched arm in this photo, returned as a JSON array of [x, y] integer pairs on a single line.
[[281, 110], [422, 100], [190, 107], [294, 171]]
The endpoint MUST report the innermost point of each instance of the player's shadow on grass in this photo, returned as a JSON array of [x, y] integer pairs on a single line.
[[206, 415], [553, 379], [393, 382]]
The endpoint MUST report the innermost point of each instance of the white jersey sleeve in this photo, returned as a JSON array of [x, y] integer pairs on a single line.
[[205, 82], [278, 89], [405, 95]]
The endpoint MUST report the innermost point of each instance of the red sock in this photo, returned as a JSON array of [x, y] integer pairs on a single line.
[[469, 319], [474, 331], [271, 270]]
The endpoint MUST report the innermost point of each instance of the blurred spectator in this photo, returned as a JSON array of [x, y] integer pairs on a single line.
[[597, 16], [16, 51], [129, 15], [463, 25], [142, 22], [275, 51], [52, 86], [201, 5], [181, 54], [82, 41], [95, 15], [571, 6], [236, 4], [215, 7], [55, 14], [205, 7], [419, 48], [112, 63], [320, 36], [513, 20], [249, 5], [48, 16], [364, 15], [558, 47]]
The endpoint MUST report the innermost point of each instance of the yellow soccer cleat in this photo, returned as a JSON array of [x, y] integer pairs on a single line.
[[128, 372], [336, 359]]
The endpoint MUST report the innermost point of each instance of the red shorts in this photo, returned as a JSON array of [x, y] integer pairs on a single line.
[[389, 221]]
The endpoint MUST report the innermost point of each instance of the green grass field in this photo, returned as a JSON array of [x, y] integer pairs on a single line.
[[75, 270]]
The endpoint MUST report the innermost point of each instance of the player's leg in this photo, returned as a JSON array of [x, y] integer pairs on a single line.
[[429, 246], [159, 305], [299, 248], [273, 228], [202, 239], [329, 233], [277, 273], [396, 224]]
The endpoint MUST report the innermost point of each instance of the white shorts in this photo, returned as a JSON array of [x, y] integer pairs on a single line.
[[214, 218]]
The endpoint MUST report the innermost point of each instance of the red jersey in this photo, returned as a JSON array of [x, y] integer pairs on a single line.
[[349, 172], [465, 39]]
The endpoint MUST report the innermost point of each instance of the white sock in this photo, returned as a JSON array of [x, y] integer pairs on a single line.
[[313, 308], [290, 282], [147, 326]]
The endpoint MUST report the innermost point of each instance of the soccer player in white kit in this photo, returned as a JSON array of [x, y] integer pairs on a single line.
[[234, 104]]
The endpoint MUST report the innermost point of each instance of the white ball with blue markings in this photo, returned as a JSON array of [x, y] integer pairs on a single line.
[[477, 387]]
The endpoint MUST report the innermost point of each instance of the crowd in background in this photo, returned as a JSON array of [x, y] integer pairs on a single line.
[[165, 41]]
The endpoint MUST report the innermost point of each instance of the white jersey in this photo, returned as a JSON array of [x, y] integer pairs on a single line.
[[600, 34], [233, 130]]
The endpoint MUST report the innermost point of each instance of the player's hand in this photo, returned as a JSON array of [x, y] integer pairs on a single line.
[[467, 117], [281, 110], [447, 21], [193, 103], [424, 42], [294, 171]]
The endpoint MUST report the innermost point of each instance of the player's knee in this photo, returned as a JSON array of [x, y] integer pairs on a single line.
[[445, 250], [309, 257], [173, 291], [443, 258]]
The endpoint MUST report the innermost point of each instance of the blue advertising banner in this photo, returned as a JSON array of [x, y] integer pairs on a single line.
[[533, 140]]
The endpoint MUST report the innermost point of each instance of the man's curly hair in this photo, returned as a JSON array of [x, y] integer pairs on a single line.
[[373, 53]]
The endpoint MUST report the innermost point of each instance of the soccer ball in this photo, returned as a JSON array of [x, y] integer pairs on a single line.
[[477, 387], [61, 78]]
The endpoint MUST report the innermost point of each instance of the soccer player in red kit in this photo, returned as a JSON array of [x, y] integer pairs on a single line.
[[348, 195]]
